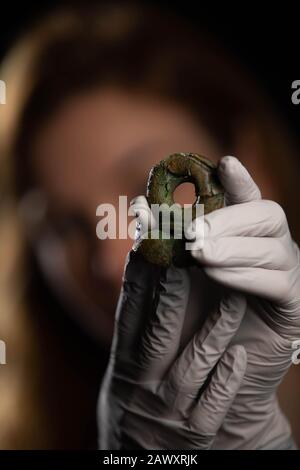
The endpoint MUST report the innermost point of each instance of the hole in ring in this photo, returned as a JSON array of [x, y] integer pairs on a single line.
[[185, 193]]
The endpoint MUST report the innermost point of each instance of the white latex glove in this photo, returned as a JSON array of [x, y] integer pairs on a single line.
[[150, 397], [248, 247]]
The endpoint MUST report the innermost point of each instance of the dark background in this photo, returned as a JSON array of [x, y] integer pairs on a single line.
[[267, 42]]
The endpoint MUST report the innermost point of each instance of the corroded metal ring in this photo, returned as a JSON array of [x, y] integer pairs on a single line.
[[164, 178]]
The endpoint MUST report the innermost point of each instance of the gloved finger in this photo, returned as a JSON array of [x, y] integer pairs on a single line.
[[252, 219], [160, 342], [260, 252], [190, 371], [237, 182], [133, 307], [209, 413], [140, 208], [273, 285]]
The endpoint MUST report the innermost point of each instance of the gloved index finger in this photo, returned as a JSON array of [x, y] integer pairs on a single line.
[[133, 307], [161, 339], [237, 182]]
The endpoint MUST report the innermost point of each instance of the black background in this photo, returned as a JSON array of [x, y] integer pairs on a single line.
[[266, 40]]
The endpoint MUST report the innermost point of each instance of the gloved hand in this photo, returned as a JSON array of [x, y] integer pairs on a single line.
[[150, 397], [248, 247]]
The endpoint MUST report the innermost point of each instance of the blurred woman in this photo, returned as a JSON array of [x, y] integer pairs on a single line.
[[95, 97]]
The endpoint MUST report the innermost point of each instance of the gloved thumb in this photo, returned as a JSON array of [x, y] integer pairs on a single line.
[[237, 182]]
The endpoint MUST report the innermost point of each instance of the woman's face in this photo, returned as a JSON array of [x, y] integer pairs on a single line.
[[98, 146]]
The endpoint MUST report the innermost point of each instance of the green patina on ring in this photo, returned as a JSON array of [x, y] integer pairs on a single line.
[[164, 178]]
